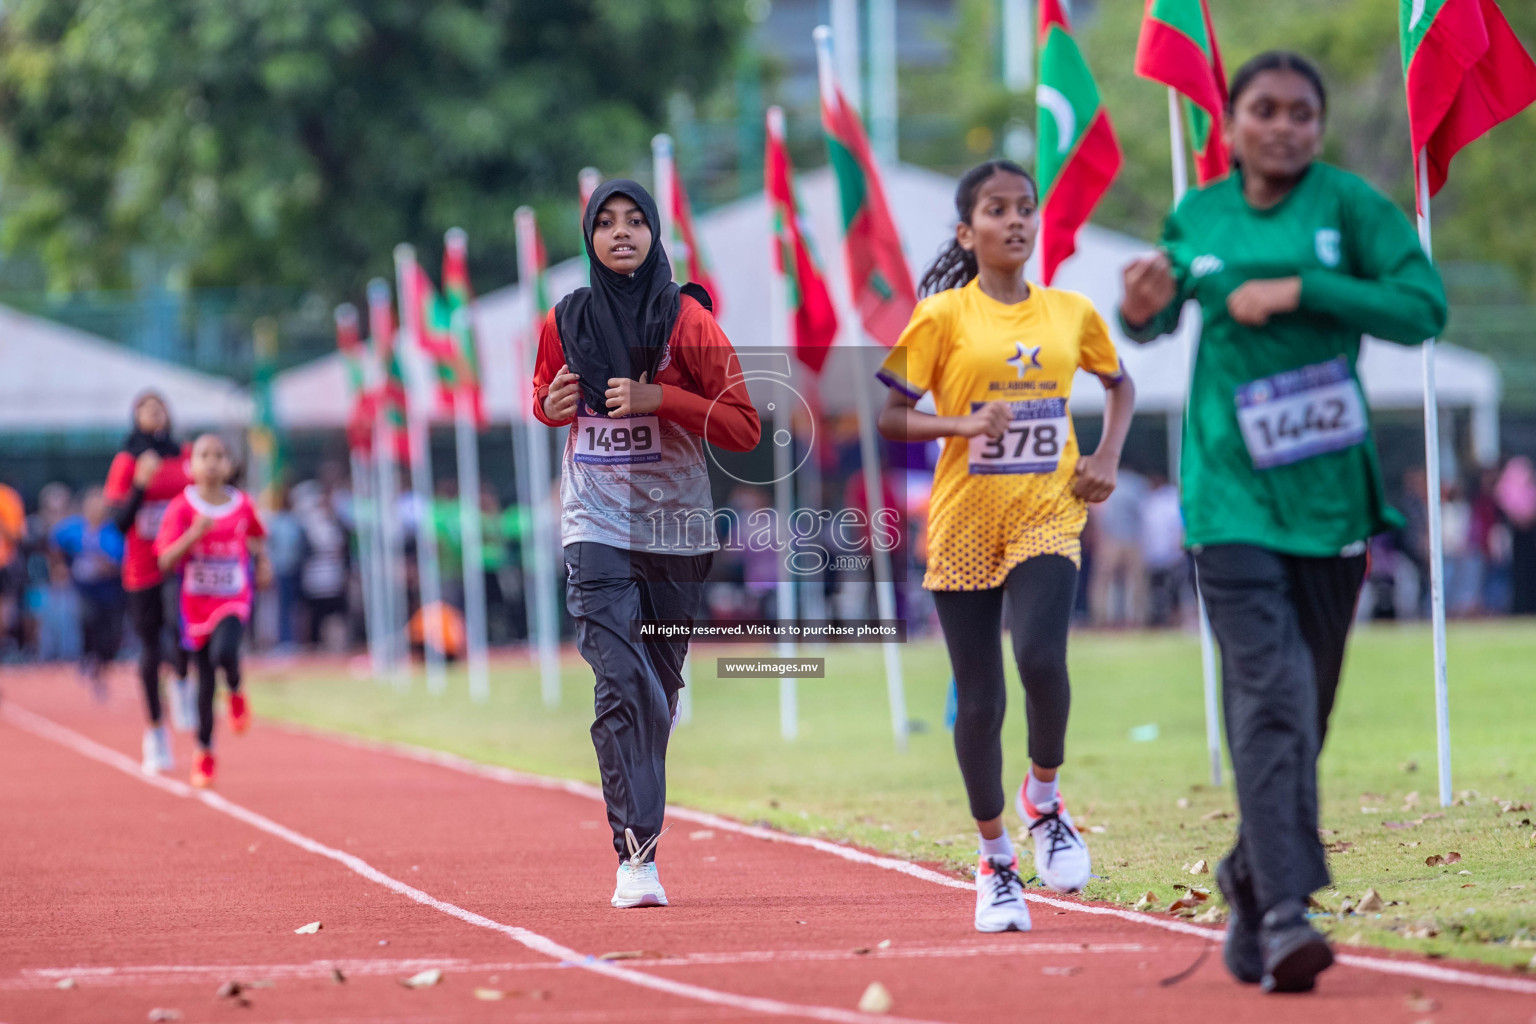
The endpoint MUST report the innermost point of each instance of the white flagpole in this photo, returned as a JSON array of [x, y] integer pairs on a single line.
[[869, 452], [472, 546], [1207, 639], [783, 452], [428, 583], [363, 506], [884, 112], [1436, 542], [394, 602], [544, 624], [847, 69]]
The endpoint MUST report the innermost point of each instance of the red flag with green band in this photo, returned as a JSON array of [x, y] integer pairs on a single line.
[[349, 343], [1466, 73], [429, 321], [813, 318], [390, 394], [1078, 155], [878, 276], [1178, 49], [457, 299], [692, 266]]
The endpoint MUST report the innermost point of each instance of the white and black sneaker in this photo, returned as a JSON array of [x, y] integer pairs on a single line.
[[157, 751], [1000, 903], [638, 884], [183, 704], [1061, 856]]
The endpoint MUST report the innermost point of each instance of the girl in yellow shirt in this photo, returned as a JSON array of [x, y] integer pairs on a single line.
[[1009, 502]]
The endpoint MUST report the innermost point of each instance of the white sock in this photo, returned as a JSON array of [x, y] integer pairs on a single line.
[[1042, 796], [1000, 848]]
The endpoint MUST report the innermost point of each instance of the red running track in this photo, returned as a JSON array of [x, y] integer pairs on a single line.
[[145, 895]]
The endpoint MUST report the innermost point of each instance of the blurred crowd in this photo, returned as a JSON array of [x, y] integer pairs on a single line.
[[61, 596]]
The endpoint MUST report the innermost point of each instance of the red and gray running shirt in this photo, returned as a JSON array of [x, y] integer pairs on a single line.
[[640, 483]]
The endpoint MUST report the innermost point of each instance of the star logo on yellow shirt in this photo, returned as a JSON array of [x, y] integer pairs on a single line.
[[1025, 359]]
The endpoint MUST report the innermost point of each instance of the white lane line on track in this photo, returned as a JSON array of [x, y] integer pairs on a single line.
[[177, 974], [454, 762], [50, 730]]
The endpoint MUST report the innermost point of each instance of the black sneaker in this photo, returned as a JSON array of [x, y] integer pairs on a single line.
[[1294, 952], [1240, 949]]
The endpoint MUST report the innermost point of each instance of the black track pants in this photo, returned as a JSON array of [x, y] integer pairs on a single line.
[[637, 683], [221, 652], [1040, 594], [156, 614], [1282, 622]]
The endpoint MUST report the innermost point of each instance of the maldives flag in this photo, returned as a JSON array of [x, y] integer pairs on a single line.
[[457, 300], [1466, 72], [688, 264], [813, 317], [878, 276], [391, 393], [429, 321], [1178, 49], [1078, 155], [349, 343]]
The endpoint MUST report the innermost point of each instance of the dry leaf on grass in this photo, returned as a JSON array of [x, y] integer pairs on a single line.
[[1509, 808], [489, 995], [1061, 972], [1418, 1002], [1185, 905], [1200, 867], [876, 999], [1211, 915], [1453, 857], [159, 1014], [1434, 860], [1215, 815], [1411, 800], [1436, 816], [1398, 824], [1408, 766], [1339, 847], [1369, 903], [307, 929], [1420, 931], [1182, 803], [1147, 902], [426, 979]]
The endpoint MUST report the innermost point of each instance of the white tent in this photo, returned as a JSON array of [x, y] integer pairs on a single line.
[[735, 239], [55, 377]]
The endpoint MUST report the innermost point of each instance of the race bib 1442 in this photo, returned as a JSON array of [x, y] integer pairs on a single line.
[[1032, 444], [1301, 413], [620, 441]]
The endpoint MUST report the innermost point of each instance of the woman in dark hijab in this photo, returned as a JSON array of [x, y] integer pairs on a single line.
[[149, 471], [640, 371]]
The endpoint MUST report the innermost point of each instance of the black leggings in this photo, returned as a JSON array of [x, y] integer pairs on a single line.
[[154, 611], [221, 651], [1040, 595]]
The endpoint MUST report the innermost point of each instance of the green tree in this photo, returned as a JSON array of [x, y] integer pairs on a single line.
[[295, 142]]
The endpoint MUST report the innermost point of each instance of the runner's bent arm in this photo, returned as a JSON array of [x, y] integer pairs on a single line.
[[124, 492], [547, 371], [1155, 291], [722, 403], [1397, 295]]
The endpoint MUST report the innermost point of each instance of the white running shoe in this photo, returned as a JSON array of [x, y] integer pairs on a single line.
[[638, 883], [157, 751], [183, 705], [1061, 856], [1000, 903]]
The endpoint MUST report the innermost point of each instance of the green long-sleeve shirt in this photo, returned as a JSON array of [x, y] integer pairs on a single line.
[[1277, 442]]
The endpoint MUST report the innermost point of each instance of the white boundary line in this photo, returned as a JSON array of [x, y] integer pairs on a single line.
[[510, 776], [50, 730]]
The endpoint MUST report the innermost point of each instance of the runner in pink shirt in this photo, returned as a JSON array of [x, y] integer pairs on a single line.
[[212, 533]]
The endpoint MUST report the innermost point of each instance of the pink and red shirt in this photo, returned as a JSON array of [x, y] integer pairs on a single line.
[[217, 576]]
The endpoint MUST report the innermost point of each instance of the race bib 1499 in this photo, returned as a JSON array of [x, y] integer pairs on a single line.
[[1301, 413], [620, 441], [1032, 444]]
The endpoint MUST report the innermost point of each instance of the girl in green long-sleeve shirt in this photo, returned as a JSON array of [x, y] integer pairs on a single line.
[[1291, 262]]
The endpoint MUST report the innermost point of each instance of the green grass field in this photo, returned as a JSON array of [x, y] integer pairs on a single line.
[[1148, 802]]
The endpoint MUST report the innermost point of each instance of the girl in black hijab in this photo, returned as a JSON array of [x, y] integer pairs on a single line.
[[644, 376], [145, 476]]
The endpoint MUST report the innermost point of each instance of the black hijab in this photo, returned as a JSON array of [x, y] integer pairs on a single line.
[[619, 326], [141, 441]]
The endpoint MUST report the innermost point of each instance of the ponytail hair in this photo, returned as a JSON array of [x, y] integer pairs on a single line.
[[955, 266]]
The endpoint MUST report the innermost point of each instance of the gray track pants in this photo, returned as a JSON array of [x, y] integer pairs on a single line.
[[1282, 622], [637, 683]]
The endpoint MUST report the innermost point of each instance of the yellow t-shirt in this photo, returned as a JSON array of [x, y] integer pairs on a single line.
[[997, 503]]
